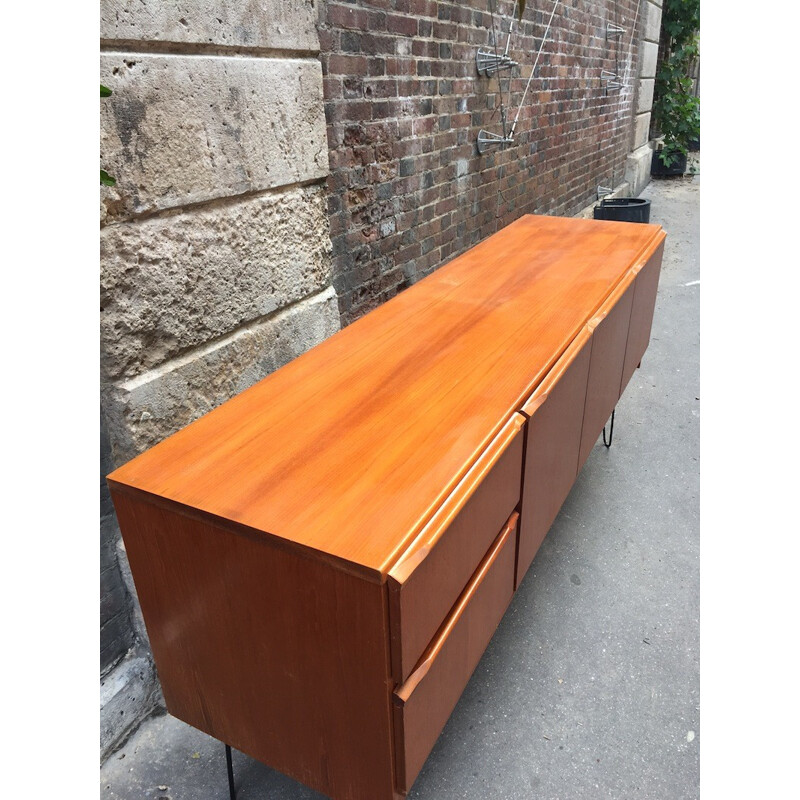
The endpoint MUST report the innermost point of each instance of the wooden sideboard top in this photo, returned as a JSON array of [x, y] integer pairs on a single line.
[[350, 448]]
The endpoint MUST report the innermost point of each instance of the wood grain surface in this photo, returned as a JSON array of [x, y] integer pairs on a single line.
[[274, 653], [349, 449]]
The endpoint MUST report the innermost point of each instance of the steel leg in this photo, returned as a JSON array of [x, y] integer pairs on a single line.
[[611, 431], [229, 762]]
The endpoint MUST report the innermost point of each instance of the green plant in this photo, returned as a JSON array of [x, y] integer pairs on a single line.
[[676, 111], [105, 178]]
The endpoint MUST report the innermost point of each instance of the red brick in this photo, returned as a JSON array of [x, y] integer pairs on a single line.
[[346, 64], [378, 88], [425, 125], [405, 25]]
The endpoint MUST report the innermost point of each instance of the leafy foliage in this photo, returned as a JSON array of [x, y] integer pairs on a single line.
[[676, 111]]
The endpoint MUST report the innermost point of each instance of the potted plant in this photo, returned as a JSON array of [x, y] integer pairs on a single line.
[[676, 110]]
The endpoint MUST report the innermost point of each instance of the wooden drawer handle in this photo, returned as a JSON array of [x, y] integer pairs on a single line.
[[542, 391], [441, 520], [404, 692]]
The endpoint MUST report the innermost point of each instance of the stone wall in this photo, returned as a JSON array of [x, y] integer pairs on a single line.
[[637, 171], [404, 104], [215, 251]]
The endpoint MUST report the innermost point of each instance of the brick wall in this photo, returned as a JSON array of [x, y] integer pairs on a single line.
[[404, 104]]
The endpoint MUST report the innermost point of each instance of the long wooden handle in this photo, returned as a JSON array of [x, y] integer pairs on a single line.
[[612, 299], [559, 368], [429, 656], [441, 520]]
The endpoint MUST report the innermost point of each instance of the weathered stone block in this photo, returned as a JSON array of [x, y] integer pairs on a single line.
[[113, 601], [652, 21], [637, 169], [644, 101], [180, 130], [169, 283], [135, 612], [127, 694], [649, 59], [116, 632], [641, 134], [116, 640], [271, 24], [143, 411]]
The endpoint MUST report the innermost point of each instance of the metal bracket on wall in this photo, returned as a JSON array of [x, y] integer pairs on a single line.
[[602, 191], [613, 31], [488, 62], [607, 75], [487, 139], [615, 86]]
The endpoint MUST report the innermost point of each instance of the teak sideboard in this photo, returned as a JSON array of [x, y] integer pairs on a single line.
[[322, 560]]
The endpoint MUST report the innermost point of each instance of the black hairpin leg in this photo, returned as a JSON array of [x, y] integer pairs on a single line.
[[611, 431], [229, 762]]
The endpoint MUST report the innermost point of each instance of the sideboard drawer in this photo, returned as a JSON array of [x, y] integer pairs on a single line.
[[423, 704], [426, 582]]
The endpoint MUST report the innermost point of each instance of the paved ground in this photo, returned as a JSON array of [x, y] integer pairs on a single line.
[[590, 687]]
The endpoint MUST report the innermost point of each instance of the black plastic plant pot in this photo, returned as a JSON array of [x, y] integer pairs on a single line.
[[623, 209], [677, 167]]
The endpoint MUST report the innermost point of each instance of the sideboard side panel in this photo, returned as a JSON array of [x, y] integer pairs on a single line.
[[283, 657]]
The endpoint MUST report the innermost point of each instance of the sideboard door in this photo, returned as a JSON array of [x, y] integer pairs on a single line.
[[644, 303], [553, 440], [609, 340]]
